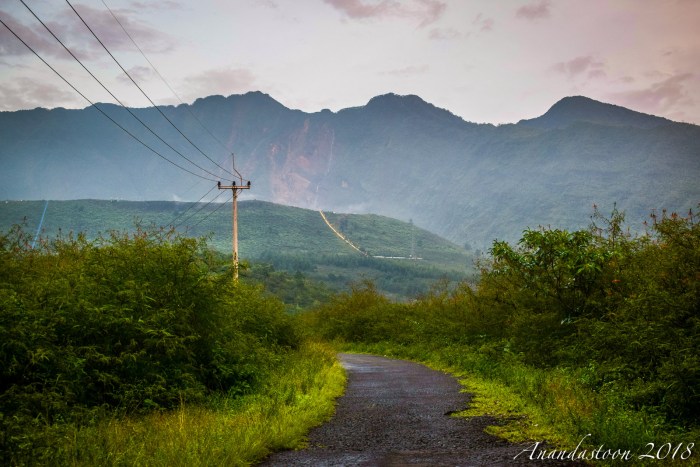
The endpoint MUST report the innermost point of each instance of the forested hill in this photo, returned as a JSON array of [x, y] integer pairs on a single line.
[[397, 156], [410, 259]]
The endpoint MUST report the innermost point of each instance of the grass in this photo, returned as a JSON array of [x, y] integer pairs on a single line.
[[228, 431], [550, 406]]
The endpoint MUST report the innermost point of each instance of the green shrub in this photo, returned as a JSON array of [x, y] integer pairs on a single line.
[[619, 312], [127, 323]]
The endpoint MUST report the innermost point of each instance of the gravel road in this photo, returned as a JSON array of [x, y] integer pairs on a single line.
[[396, 413]]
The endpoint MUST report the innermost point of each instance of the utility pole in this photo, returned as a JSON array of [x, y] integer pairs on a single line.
[[236, 189]]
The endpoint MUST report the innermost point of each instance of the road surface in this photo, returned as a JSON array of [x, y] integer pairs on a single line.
[[396, 413]]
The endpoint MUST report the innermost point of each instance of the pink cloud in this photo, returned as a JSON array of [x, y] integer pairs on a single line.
[[433, 11], [444, 34], [100, 20], [580, 65], [25, 93], [270, 4], [597, 73], [663, 96], [534, 11], [222, 81], [40, 41], [484, 24], [156, 5], [408, 71], [426, 11], [139, 73], [73, 33]]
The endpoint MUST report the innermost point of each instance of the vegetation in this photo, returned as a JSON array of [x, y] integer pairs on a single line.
[[136, 348], [297, 291], [288, 239], [593, 331], [135, 333]]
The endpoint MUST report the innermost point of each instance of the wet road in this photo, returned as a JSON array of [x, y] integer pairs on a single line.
[[396, 413]]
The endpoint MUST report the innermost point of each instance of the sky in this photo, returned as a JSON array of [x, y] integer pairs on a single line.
[[487, 61]]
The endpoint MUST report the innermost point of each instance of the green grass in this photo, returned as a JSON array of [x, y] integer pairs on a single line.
[[551, 406], [227, 431]]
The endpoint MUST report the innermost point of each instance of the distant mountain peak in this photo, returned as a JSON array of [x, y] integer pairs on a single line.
[[396, 99], [574, 109], [410, 104], [254, 98]]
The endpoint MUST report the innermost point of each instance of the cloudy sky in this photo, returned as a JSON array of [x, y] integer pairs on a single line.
[[494, 61]]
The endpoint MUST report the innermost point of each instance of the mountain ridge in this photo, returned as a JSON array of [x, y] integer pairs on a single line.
[[573, 109], [397, 156], [569, 108]]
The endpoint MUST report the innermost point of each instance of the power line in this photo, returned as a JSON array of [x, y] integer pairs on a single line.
[[112, 94], [99, 109], [142, 91], [172, 222], [199, 210], [211, 213], [187, 107]]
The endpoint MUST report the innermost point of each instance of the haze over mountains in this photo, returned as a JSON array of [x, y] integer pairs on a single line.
[[397, 156]]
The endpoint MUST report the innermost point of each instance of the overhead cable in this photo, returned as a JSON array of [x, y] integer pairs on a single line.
[[172, 222], [187, 107], [113, 96], [212, 212], [199, 210], [142, 91], [99, 109]]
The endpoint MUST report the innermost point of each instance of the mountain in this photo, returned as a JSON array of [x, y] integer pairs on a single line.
[[397, 156], [571, 110]]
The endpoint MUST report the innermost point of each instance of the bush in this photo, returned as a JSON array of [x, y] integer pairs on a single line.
[[127, 323], [621, 311]]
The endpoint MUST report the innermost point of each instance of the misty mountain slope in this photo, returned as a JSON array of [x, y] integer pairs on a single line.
[[397, 156]]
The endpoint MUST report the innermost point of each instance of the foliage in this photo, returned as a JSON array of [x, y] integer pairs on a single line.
[[297, 291], [126, 323], [296, 395], [562, 317], [359, 315], [627, 307]]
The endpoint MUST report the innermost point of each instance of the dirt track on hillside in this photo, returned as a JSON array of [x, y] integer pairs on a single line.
[[396, 413]]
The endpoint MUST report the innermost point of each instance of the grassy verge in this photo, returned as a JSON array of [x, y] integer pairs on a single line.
[[551, 406], [228, 431]]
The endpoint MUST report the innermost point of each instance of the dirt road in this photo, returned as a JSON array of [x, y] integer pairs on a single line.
[[396, 413]]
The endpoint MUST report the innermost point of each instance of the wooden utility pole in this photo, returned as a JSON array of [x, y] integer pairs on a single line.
[[236, 189]]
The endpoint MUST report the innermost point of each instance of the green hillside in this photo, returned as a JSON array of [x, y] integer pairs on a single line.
[[290, 239]]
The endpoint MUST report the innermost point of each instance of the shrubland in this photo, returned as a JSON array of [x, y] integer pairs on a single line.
[[593, 333], [131, 348]]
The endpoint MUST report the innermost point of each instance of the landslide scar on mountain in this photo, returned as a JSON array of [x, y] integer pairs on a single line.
[[300, 163]]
